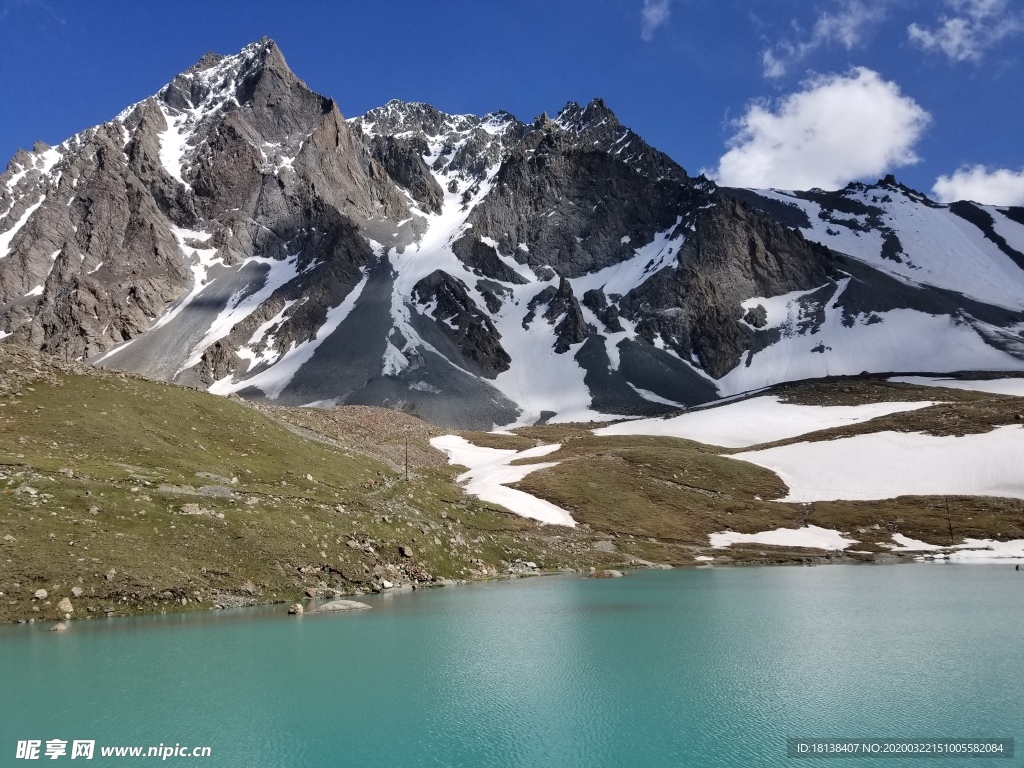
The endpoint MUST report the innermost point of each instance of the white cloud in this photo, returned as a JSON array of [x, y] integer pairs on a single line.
[[975, 27], [978, 183], [846, 26], [654, 14], [837, 129]]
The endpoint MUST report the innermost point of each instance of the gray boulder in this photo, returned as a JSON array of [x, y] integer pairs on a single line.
[[336, 606]]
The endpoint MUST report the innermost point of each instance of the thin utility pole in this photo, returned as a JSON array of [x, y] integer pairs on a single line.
[[949, 520]]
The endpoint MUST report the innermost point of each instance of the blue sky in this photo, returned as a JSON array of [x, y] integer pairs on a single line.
[[789, 93]]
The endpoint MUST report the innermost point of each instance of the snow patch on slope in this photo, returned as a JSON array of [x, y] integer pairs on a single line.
[[987, 549], [906, 544], [970, 550], [810, 536], [901, 339], [274, 380], [490, 472], [621, 278], [7, 238], [936, 244], [268, 355], [201, 261], [885, 465], [244, 303], [1014, 387], [173, 142], [757, 420]]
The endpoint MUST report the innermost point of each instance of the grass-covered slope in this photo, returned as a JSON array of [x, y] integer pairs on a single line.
[[142, 496]]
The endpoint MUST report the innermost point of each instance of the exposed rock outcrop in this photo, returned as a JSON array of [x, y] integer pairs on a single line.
[[462, 321]]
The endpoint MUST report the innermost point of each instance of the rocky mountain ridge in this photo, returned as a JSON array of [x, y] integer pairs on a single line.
[[236, 232]]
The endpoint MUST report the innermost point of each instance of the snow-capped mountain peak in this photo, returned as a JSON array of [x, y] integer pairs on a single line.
[[234, 231]]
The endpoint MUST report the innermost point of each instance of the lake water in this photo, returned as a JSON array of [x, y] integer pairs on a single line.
[[707, 667]]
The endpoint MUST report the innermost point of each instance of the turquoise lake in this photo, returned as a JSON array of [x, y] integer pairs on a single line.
[[706, 667]]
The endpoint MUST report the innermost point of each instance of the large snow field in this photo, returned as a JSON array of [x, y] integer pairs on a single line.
[[1013, 387], [936, 244], [810, 536], [898, 340], [490, 472], [884, 465], [757, 420]]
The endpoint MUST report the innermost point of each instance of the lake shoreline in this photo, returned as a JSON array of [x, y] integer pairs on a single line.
[[309, 604]]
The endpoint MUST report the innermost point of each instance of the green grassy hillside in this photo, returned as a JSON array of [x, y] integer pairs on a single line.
[[145, 496]]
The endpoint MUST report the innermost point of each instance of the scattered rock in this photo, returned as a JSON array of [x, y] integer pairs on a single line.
[[385, 584], [233, 601], [606, 574], [110, 575], [756, 316], [340, 605], [64, 606], [248, 587], [217, 491], [195, 509], [60, 626], [606, 545], [40, 594], [77, 591], [405, 551], [295, 609], [311, 592], [94, 510], [522, 567], [8, 537]]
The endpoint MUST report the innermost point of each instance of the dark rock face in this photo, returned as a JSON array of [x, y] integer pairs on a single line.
[[483, 260], [733, 255], [562, 311], [565, 314], [756, 316], [559, 202], [403, 162], [608, 314], [461, 320], [470, 145]]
